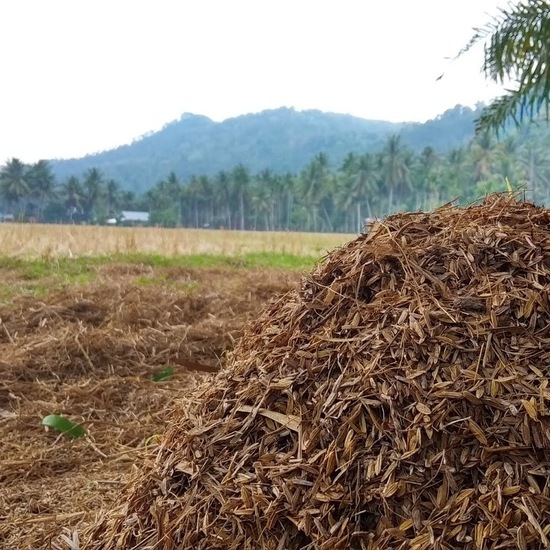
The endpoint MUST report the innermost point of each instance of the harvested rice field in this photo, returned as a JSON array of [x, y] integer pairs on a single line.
[[87, 348], [396, 396], [71, 241]]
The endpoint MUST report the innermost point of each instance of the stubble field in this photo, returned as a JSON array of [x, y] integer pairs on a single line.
[[55, 241], [89, 316]]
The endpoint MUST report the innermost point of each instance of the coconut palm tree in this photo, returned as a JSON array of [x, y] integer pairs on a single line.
[[112, 193], [483, 152], [395, 172], [240, 176], [534, 159], [165, 201], [72, 192], [92, 189], [426, 179], [42, 184], [358, 183], [508, 167], [517, 49], [14, 185], [315, 188], [222, 194]]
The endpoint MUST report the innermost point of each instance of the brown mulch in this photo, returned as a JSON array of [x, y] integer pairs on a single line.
[[88, 353], [398, 398]]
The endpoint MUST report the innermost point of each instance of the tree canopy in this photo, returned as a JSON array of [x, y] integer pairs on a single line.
[[281, 140], [327, 194], [517, 51]]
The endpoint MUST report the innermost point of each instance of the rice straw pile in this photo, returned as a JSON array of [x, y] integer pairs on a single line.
[[397, 399]]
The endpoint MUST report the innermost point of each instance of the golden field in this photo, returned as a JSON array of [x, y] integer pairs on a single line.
[[84, 339], [59, 241], [88, 351]]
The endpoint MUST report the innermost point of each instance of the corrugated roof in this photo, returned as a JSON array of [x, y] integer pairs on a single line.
[[133, 216]]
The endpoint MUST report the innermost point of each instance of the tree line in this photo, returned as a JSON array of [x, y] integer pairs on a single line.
[[30, 192], [321, 197], [324, 197]]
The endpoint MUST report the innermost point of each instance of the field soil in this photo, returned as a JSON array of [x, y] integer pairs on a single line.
[[89, 352]]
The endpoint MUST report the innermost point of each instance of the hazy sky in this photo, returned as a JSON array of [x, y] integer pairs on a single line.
[[80, 76]]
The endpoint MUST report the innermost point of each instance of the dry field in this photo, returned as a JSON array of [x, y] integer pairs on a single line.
[[83, 337], [396, 399], [88, 351], [54, 241]]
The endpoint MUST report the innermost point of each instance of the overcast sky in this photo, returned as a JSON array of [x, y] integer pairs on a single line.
[[79, 76]]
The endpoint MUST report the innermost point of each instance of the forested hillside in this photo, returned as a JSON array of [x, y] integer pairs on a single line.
[[327, 194], [281, 140]]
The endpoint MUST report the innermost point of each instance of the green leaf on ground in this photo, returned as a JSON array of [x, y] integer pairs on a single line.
[[163, 375], [64, 425]]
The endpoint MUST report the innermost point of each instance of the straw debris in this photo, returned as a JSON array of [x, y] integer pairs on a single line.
[[89, 352], [398, 398]]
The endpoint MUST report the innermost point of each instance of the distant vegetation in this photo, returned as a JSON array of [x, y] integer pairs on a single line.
[[280, 140], [323, 196]]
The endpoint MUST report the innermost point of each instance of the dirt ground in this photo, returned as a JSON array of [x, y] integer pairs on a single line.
[[88, 352]]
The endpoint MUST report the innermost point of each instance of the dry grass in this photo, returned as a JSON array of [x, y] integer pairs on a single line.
[[81, 337], [87, 351], [55, 241]]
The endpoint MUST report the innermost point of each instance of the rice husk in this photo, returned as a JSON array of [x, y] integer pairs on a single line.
[[398, 398]]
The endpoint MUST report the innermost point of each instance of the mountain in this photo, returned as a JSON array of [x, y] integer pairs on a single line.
[[279, 139]]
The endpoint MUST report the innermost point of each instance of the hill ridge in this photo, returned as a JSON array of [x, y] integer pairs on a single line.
[[282, 139]]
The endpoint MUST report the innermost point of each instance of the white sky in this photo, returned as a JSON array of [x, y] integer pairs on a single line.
[[80, 76]]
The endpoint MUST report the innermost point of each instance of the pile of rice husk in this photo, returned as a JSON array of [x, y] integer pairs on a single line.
[[397, 399]]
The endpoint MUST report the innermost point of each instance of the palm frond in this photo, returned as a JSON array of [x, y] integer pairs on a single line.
[[511, 106], [517, 49]]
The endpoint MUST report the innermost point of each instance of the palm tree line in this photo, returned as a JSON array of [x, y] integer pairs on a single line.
[[324, 196], [31, 192]]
